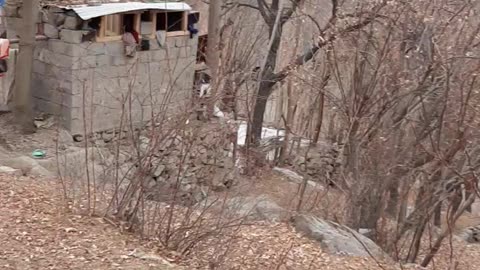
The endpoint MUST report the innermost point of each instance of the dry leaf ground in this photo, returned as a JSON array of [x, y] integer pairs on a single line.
[[34, 235]]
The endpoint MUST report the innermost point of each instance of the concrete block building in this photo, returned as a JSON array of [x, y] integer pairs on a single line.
[[82, 74]]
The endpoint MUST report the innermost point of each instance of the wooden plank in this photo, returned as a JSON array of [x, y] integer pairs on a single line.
[[178, 33], [185, 21], [137, 22], [107, 39], [154, 24], [101, 32]]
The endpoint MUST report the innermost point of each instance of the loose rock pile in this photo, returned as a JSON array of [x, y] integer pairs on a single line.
[[319, 163], [191, 162]]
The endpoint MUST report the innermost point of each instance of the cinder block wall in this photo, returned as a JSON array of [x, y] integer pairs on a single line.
[[93, 83]]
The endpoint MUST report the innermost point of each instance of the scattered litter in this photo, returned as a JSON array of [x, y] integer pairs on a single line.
[[37, 153], [70, 230], [146, 256]]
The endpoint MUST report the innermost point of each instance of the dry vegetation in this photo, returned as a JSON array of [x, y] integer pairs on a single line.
[[390, 87]]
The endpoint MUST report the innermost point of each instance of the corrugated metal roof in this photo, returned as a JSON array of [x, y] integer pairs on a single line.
[[87, 12]]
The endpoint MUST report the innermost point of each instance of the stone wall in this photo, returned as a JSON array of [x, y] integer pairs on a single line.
[[98, 81]]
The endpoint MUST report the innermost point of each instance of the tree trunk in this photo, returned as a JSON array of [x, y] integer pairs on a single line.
[[393, 198], [318, 125], [266, 76], [22, 96], [258, 113], [212, 51]]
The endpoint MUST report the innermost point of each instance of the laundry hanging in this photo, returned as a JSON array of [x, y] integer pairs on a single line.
[[4, 53], [130, 43]]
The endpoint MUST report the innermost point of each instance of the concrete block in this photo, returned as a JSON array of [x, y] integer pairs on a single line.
[[158, 55], [54, 16], [72, 36], [42, 105], [59, 46], [104, 60], [172, 53], [144, 56], [51, 31], [170, 42], [84, 62], [146, 28], [193, 52], [13, 25], [94, 48], [193, 42], [115, 48], [184, 52], [62, 73], [39, 67], [181, 41], [52, 58], [11, 10], [123, 60], [154, 44], [72, 23], [82, 80]]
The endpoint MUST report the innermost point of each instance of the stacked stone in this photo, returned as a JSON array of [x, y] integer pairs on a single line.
[[193, 162], [320, 163]]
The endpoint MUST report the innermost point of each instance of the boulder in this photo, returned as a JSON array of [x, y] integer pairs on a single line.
[[470, 234], [294, 177], [27, 165], [64, 139], [10, 171], [38, 170], [337, 239], [256, 208]]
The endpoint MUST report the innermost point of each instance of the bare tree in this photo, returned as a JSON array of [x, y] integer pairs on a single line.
[[275, 15]]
